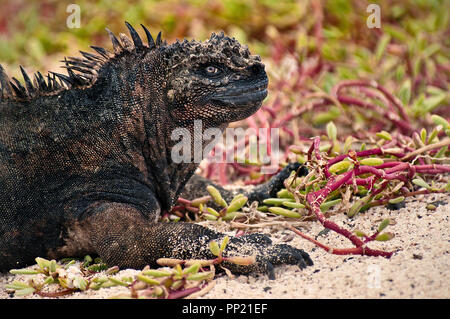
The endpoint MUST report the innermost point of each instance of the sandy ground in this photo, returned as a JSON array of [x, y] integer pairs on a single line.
[[419, 269]]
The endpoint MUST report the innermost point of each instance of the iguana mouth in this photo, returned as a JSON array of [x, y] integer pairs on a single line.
[[242, 95]]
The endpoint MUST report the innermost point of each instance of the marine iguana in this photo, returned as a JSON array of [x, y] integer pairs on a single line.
[[85, 163]]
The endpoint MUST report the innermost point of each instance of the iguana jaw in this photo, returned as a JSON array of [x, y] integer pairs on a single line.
[[239, 96]]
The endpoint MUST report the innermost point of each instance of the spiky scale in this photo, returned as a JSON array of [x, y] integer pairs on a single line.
[[127, 44], [28, 83], [76, 60], [4, 81], [74, 77], [117, 46], [88, 67], [103, 52], [77, 68], [18, 88], [64, 78], [158, 39], [40, 82], [151, 42], [49, 82], [91, 57], [135, 36], [55, 83]]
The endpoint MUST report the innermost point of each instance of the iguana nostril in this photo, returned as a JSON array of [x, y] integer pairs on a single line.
[[256, 69]]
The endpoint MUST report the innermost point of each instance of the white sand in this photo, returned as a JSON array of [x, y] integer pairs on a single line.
[[420, 268]]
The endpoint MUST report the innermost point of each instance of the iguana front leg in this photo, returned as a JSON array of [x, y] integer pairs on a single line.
[[196, 187], [122, 235]]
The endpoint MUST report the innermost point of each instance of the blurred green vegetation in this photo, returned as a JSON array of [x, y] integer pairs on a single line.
[[31, 30], [408, 53]]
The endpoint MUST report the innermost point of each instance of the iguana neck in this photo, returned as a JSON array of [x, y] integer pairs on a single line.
[[128, 103], [170, 174], [146, 124]]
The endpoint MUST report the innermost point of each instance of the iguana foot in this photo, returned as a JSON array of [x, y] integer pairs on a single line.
[[267, 254]]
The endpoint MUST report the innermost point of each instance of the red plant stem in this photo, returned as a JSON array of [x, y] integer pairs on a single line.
[[288, 131], [192, 209], [55, 294], [239, 232], [393, 170], [262, 118], [360, 250], [394, 101], [368, 182], [370, 93], [394, 118], [387, 165], [371, 238], [251, 122], [392, 166], [183, 201], [406, 194], [318, 26], [432, 171], [380, 173], [315, 147], [182, 293], [378, 87], [288, 117], [352, 100], [269, 110], [222, 174], [365, 153], [255, 181], [315, 199], [241, 169]]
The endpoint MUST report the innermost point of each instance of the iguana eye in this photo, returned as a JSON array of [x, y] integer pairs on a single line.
[[212, 70]]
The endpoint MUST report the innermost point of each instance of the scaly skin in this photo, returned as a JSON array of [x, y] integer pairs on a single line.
[[85, 159]]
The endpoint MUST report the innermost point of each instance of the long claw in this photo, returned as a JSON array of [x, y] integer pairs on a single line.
[[270, 271], [306, 257], [302, 263]]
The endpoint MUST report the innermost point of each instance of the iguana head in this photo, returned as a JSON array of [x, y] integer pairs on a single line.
[[134, 98], [218, 80]]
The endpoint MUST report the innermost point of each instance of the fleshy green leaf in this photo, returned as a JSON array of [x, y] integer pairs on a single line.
[[371, 161], [397, 200], [224, 243], [384, 135], [284, 212], [383, 224], [439, 120], [215, 194], [237, 204], [420, 182], [332, 131], [147, 280], [384, 237], [340, 167], [214, 248]]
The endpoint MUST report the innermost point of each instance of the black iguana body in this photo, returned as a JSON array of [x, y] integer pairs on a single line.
[[85, 158]]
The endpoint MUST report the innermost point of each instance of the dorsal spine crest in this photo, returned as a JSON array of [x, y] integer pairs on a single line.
[[81, 72]]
